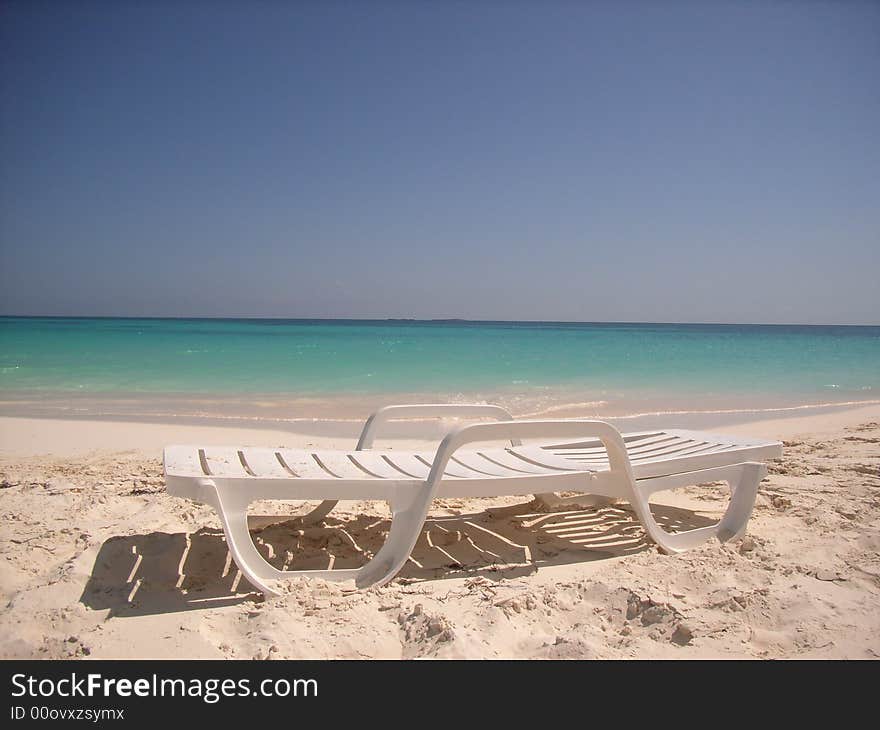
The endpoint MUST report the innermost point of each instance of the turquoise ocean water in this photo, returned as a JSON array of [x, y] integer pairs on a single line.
[[96, 363]]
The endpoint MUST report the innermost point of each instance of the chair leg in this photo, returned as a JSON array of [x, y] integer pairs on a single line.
[[742, 501], [232, 506], [316, 516], [409, 511], [320, 512], [743, 480]]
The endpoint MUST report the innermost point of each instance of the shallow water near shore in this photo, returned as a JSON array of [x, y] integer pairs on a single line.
[[289, 370]]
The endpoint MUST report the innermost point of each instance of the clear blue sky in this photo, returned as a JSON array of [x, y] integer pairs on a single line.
[[702, 161]]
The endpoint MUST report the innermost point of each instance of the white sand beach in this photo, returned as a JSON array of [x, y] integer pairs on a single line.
[[98, 561]]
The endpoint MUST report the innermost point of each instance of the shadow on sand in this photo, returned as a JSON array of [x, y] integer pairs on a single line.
[[161, 572]]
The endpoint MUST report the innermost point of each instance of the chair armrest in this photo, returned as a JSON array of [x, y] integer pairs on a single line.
[[427, 410], [618, 458]]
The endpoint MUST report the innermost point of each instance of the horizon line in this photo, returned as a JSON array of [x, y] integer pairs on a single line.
[[434, 320]]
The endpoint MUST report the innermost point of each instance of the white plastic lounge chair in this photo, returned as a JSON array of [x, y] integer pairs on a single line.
[[601, 462]]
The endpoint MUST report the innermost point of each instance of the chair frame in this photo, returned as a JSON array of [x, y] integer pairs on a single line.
[[411, 499]]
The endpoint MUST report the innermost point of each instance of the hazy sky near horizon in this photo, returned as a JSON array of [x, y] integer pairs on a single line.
[[676, 161]]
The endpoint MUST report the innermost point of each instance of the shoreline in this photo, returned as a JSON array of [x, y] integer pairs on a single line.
[[77, 435], [273, 409]]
